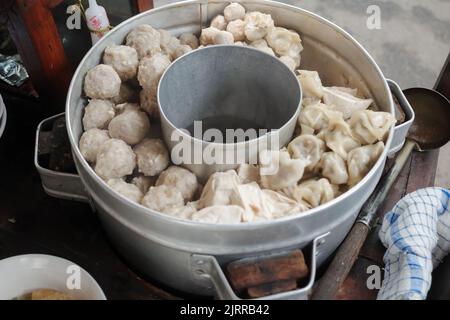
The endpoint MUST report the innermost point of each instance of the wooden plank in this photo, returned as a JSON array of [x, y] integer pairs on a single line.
[[250, 273], [423, 170]]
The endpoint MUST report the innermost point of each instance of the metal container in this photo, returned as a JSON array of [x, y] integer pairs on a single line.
[[188, 255], [236, 95]]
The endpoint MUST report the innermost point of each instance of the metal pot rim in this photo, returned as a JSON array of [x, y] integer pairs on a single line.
[[236, 144], [241, 226]]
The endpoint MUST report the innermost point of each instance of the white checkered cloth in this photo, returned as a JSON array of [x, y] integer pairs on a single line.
[[416, 234]]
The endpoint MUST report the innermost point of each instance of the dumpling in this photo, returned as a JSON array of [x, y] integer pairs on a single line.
[[236, 28], [257, 25], [152, 156], [311, 84], [318, 116], [130, 126], [307, 147], [352, 91], [123, 59], [102, 82], [128, 190], [279, 171], [282, 206], [248, 173], [189, 39], [219, 214], [90, 143], [181, 179], [289, 62], [334, 168], [145, 40], [151, 69], [162, 198], [263, 204], [284, 42], [219, 189], [338, 137], [361, 160], [304, 129], [344, 102], [371, 126], [234, 11], [97, 114], [313, 192], [115, 159]]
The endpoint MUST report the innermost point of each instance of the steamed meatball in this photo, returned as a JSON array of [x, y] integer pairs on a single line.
[[223, 37], [115, 159], [207, 35], [102, 82], [219, 22], [152, 156], [128, 190], [163, 198], [98, 114], [169, 44], [130, 126], [234, 11], [123, 59], [257, 25], [189, 39], [181, 50], [151, 69], [90, 143], [149, 102], [145, 40], [236, 28], [181, 179]]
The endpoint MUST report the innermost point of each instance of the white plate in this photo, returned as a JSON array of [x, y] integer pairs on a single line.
[[22, 274]]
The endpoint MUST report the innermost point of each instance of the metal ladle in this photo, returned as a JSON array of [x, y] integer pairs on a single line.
[[430, 130]]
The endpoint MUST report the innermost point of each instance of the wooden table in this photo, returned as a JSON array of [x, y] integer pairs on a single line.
[[32, 222]]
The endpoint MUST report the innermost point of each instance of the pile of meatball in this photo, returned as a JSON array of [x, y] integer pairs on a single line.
[[337, 141]]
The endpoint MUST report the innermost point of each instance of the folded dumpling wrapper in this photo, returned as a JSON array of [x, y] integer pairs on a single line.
[[343, 101]]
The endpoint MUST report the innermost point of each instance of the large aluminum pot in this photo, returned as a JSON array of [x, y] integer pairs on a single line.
[[187, 255]]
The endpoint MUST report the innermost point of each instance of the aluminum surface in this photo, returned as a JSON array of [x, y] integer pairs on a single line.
[[227, 87]]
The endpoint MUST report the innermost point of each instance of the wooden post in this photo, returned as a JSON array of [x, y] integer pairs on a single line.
[[38, 42], [143, 5]]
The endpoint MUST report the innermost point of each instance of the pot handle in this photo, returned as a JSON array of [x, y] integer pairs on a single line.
[[208, 267], [400, 130], [61, 185]]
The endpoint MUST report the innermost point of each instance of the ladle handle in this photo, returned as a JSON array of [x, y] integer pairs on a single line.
[[347, 253]]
